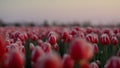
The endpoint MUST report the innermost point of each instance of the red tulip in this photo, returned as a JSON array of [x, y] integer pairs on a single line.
[[15, 59], [56, 47], [34, 37], [51, 33], [36, 53], [52, 40], [94, 65], [80, 34], [84, 65], [90, 38], [22, 37], [40, 42], [73, 32], [95, 47], [116, 30], [104, 39], [2, 49], [93, 38], [22, 49], [118, 53], [114, 40], [49, 61], [77, 28], [107, 31], [89, 30], [66, 37], [47, 48], [113, 62], [67, 61], [80, 50]]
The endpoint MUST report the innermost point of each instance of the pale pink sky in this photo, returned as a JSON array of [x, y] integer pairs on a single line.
[[60, 10]]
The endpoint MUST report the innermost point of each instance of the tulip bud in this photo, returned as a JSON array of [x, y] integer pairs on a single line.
[[49, 61], [15, 60], [94, 65], [47, 48], [89, 30], [67, 61], [114, 40], [80, 50], [52, 40], [113, 62], [95, 47], [36, 53], [104, 39], [56, 47]]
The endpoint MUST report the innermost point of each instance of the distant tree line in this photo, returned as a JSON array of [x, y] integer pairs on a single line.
[[54, 23]]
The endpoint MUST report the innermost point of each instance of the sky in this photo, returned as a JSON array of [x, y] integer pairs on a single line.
[[96, 11]]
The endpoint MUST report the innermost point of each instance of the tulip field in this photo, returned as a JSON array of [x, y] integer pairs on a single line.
[[59, 47]]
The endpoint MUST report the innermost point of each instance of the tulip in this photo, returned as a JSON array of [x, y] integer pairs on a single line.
[[22, 49], [66, 37], [36, 53], [34, 37], [118, 53], [104, 39], [47, 48], [52, 40], [73, 32], [32, 46], [113, 62], [93, 38], [116, 30], [39, 42], [94, 65], [114, 40], [56, 47], [96, 49], [49, 61], [80, 50], [89, 30], [68, 61], [15, 59]]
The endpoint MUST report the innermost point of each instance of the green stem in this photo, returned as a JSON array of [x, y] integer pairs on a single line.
[[76, 65], [28, 54]]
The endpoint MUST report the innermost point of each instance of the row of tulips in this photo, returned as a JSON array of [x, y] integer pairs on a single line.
[[59, 47]]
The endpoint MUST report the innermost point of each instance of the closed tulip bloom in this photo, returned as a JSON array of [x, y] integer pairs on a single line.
[[15, 60], [94, 65], [22, 49], [90, 38], [36, 53], [49, 61], [74, 32], [104, 39], [96, 49], [52, 39], [56, 47], [80, 50], [114, 40], [68, 61], [93, 38], [113, 62], [34, 37], [66, 37], [47, 48], [89, 29], [116, 30], [40, 42]]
